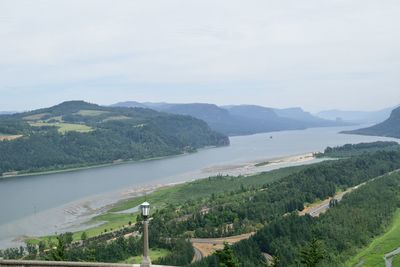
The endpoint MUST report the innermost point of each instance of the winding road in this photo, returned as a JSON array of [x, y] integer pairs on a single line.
[[197, 255], [390, 256], [316, 209]]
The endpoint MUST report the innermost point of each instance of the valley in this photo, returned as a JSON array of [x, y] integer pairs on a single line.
[[194, 201], [181, 210], [235, 120], [95, 188], [199, 133]]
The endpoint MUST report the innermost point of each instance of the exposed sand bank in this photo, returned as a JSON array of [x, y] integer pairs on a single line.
[[76, 216], [260, 165]]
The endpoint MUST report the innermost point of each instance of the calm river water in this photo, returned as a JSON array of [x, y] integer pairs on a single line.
[[44, 204]]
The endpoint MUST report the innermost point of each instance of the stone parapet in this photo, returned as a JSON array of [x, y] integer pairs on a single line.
[[19, 263]]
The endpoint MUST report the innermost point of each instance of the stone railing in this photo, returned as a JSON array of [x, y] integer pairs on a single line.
[[18, 263]]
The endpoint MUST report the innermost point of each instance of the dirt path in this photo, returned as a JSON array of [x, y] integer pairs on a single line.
[[207, 246]]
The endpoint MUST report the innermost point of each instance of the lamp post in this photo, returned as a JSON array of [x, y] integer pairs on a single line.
[[145, 208]]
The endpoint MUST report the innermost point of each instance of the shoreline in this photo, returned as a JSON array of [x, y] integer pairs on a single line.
[[41, 219], [78, 215], [95, 166], [260, 165], [133, 192], [251, 169]]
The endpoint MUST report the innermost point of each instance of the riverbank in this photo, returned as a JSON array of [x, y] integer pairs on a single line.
[[248, 169], [113, 215], [45, 204], [15, 174], [261, 165]]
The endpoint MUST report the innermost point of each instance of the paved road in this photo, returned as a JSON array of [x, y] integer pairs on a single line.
[[221, 240], [316, 210], [197, 255], [390, 256], [208, 240]]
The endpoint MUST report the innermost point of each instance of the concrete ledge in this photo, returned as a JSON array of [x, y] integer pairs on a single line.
[[58, 263], [18, 263]]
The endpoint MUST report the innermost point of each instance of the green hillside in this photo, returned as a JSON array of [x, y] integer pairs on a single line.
[[390, 127], [76, 133], [241, 119]]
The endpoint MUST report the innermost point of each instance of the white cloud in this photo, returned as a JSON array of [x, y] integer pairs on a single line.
[[289, 48]]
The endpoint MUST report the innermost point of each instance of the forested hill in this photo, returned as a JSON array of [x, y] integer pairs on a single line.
[[390, 127], [76, 133], [242, 119]]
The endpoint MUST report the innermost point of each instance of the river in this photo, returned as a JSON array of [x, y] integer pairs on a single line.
[[44, 204]]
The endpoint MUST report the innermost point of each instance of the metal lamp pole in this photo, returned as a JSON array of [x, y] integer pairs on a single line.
[[145, 207]]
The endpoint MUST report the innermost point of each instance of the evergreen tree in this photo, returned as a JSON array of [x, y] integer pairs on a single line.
[[58, 253], [312, 254], [226, 257]]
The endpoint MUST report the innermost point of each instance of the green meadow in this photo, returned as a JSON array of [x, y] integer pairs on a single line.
[[373, 254]]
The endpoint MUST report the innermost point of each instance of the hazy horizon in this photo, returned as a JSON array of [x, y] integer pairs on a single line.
[[222, 105], [317, 55]]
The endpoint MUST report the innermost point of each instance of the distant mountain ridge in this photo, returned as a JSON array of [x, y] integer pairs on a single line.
[[7, 112], [360, 117], [298, 113], [389, 127], [241, 119]]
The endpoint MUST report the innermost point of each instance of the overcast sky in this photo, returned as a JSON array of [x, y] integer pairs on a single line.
[[317, 54]]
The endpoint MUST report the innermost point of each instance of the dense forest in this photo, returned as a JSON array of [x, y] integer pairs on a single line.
[[390, 127], [328, 240], [248, 209], [349, 150], [76, 133]]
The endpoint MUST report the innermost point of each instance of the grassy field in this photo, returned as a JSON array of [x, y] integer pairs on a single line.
[[112, 221], [64, 127], [116, 118], [182, 193], [396, 261], [174, 195], [205, 188], [154, 255], [56, 118], [109, 222], [389, 241], [35, 116], [91, 113]]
